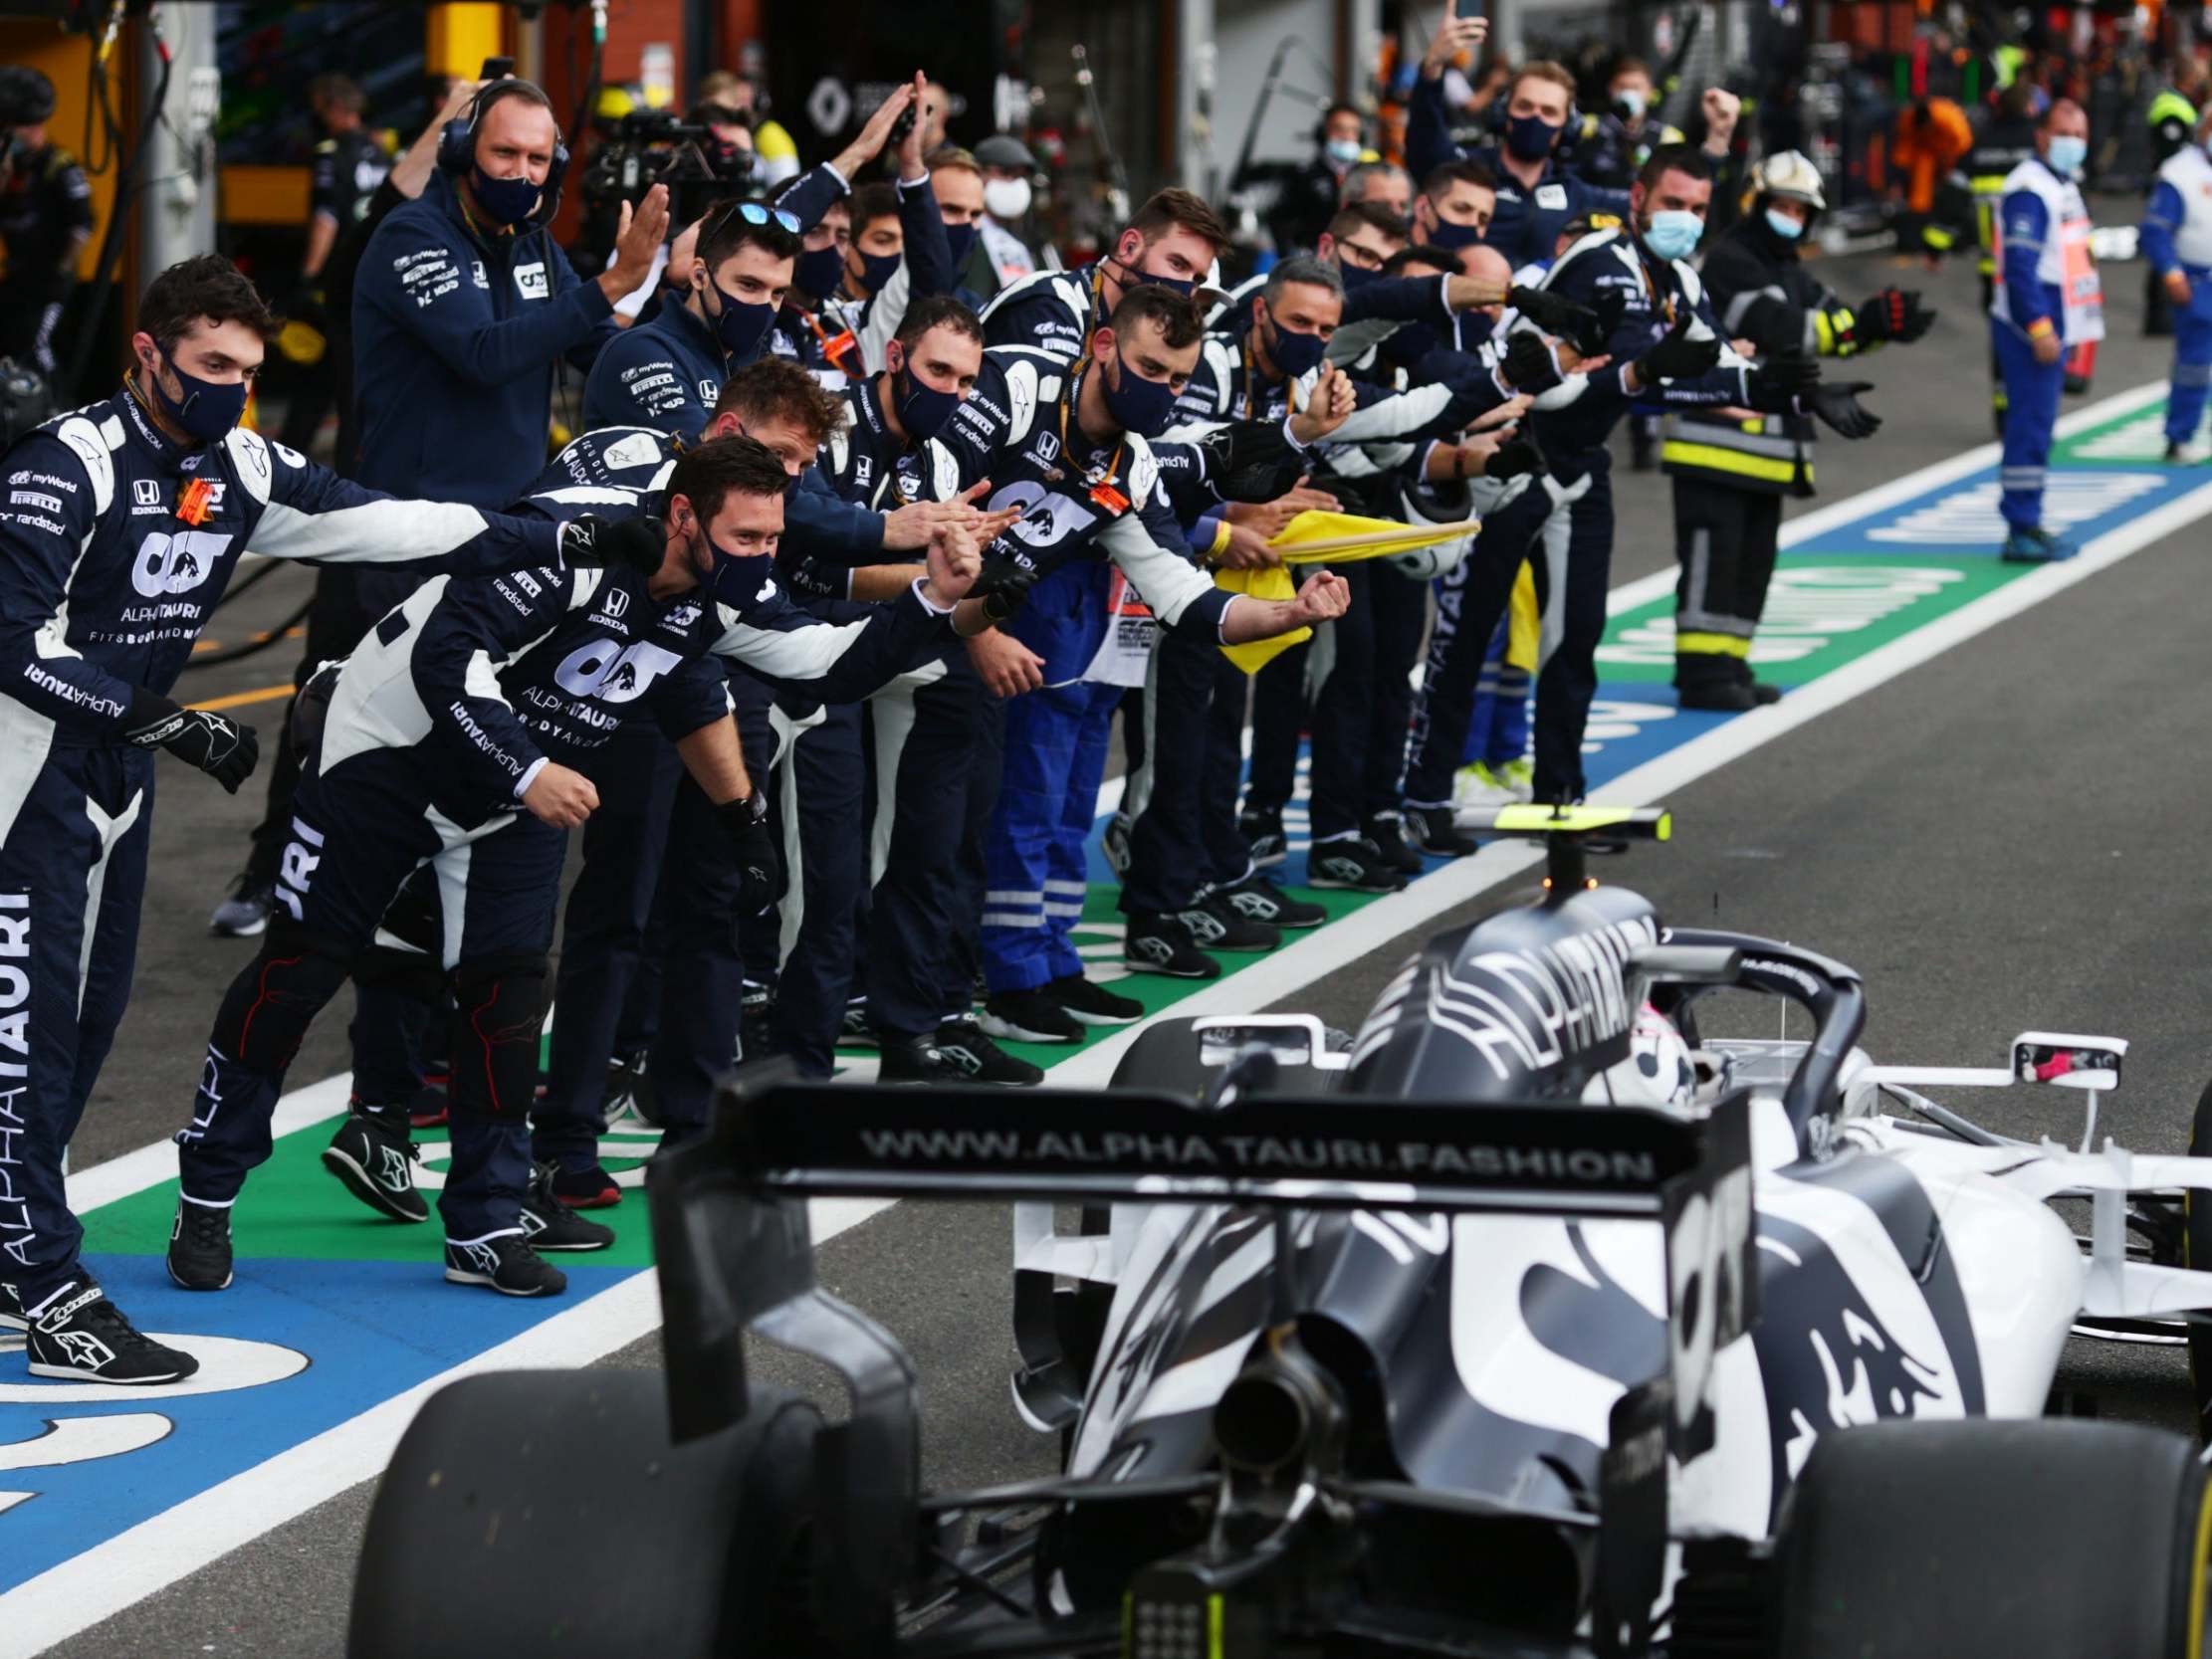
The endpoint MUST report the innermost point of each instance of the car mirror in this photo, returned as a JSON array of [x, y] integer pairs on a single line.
[[2069, 1061], [1686, 964]]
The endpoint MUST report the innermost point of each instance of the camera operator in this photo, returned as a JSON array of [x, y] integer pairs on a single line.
[[46, 215]]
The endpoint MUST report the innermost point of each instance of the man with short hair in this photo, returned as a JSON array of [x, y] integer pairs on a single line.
[[1383, 184], [958, 180], [1009, 195], [1173, 241], [1618, 140], [348, 166], [427, 751], [1359, 241], [124, 521], [46, 218]]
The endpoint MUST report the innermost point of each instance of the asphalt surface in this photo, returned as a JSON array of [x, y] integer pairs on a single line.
[[1998, 840]]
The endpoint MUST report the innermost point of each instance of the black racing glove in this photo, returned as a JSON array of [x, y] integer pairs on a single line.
[[753, 849], [1513, 458], [219, 746], [1528, 363], [1003, 586], [1837, 404], [1894, 314], [1554, 314], [1778, 383], [637, 544], [1252, 461], [1675, 356]]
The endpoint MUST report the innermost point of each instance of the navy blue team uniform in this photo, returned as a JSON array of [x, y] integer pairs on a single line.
[[1525, 225], [114, 546], [425, 757]]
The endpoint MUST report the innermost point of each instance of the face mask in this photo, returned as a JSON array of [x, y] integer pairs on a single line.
[[1139, 405], [1448, 235], [2068, 154], [1345, 151], [923, 410], [962, 237], [1782, 225], [1630, 102], [1529, 138], [1674, 233], [208, 410], [1355, 276], [738, 327], [1005, 198], [739, 581], [1296, 353], [876, 268], [506, 201], [820, 270], [1132, 276]]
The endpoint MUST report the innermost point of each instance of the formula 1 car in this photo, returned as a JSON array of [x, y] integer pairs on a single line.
[[1527, 1325]]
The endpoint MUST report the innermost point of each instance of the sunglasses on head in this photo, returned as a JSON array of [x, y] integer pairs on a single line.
[[754, 213]]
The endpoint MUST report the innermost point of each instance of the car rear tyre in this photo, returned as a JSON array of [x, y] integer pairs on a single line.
[[2196, 1252], [2035, 1539], [530, 1512]]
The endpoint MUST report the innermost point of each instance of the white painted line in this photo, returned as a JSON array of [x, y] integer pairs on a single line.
[[157, 1553]]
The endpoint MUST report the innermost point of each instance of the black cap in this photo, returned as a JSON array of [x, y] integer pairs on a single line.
[[1003, 149], [26, 96]]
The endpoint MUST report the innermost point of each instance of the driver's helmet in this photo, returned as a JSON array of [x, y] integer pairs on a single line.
[[1658, 1072]]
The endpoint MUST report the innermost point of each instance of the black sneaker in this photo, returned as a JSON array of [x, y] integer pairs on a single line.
[[199, 1246], [374, 1160], [588, 1188], [1762, 694], [1163, 945], [1436, 832], [1113, 844], [1388, 832], [507, 1264], [756, 1021], [1212, 931], [11, 1310], [1354, 863], [82, 1337], [1089, 1003], [916, 1060], [1716, 696], [428, 1106], [853, 1029], [1259, 899], [1263, 830], [964, 1044], [245, 914], [1028, 1017], [549, 1224]]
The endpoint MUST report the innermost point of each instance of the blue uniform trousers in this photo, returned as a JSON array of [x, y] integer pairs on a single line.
[[2192, 358], [1037, 864], [1360, 709], [1184, 839], [2031, 411], [73, 871]]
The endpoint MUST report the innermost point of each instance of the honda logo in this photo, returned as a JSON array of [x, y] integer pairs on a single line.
[[146, 491]]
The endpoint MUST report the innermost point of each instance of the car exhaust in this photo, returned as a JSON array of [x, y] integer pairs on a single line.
[[1283, 1414]]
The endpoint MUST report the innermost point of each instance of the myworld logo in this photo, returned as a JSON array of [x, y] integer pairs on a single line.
[[1808, 608]]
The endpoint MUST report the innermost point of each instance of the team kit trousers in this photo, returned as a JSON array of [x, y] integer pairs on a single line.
[[2192, 358], [73, 872], [1726, 540], [1184, 841], [1036, 865], [358, 832], [2031, 412], [1359, 696]]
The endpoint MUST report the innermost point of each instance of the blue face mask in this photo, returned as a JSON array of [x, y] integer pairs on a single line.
[[1530, 138], [1448, 235], [738, 327], [2068, 154], [962, 237], [1296, 353], [507, 201], [208, 409], [819, 271], [1782, 225], [1355, 278], [1144, 407], [876, 268], [1132, 276], [1674, 233], [923, 410], [740, 580], [1343, 152]]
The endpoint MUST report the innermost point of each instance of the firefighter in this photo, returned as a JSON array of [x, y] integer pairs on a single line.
[[2174, 120], [1732, 466]]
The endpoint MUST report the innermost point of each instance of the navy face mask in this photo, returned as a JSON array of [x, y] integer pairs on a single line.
[[923, 410], [1355, 277], [1131, 276], [1530, 138], [820, 270], [741, 581], [208, 409], [962, 238], [876, 268], [1448, 235], [738, 327], [1138, 405], [1296, 353], [507, 200]]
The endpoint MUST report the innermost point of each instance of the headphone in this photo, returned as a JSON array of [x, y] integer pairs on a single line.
[[457, 144], [1321, 127]]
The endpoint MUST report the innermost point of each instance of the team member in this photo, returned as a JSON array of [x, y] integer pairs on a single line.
[[2048, 302], [1732, 467], [957, 179], [348, 166], [1071, 443], [46, 217], [1173, 241], [428, 755], [1613, 144], [2177, 241], [121, 527], [465, 305]]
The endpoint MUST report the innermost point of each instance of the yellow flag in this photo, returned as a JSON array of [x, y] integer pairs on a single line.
[[1310, 538]]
